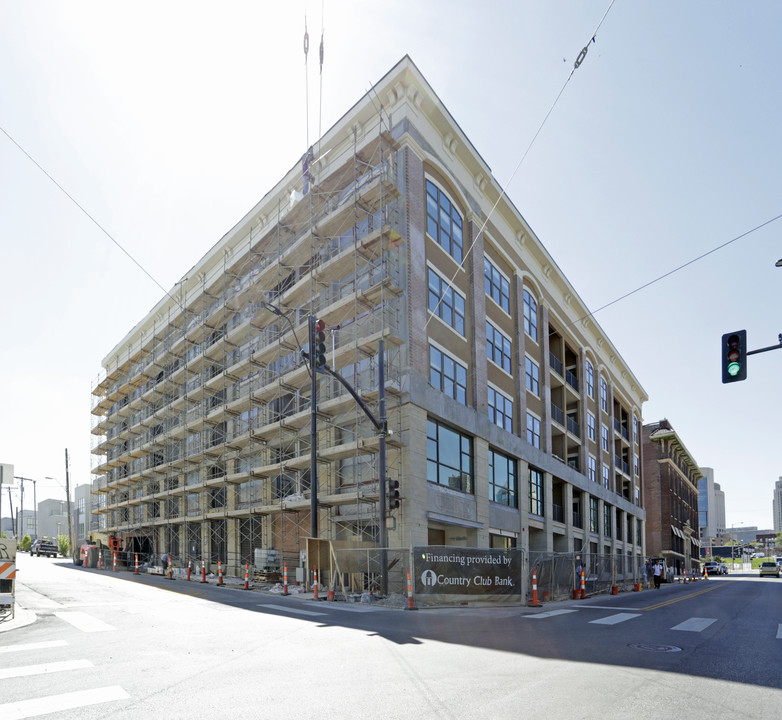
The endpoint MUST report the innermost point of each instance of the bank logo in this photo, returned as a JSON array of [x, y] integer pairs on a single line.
[[429, 578]]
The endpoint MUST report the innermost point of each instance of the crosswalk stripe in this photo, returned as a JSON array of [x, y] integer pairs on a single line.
[[285, 608], [779, 631], [614, 619], [43, 668], [694, 624], [550, 613], [83, 621], [33, 646], [57, 703]]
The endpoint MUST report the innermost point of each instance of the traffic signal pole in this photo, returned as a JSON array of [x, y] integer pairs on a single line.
[[381, 425], [735, 354]]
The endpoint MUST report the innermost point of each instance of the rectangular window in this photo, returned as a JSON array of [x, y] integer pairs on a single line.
[[536, 492], [638, 533], [591, 426], [497, 285], [592, 469], [446, 302], [502, 479], [636, 467], [448, 457], [533, 376], [500, 409], [604, 437], [607, 523], [498, 347], [533, 430], [447, 375], [443, 221], [594, 516], [603, 395], [530, 315], [606, 476], [590, 379]]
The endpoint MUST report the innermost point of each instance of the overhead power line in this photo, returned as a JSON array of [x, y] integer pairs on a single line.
[[94, 221], [503, 193]]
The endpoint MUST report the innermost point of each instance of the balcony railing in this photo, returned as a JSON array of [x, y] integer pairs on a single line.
[[558, 513], [571, 379], [573, 426], [577, 522], [556, 364], [557, 414]]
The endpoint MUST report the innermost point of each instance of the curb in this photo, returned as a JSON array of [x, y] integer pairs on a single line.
[[21, 618]]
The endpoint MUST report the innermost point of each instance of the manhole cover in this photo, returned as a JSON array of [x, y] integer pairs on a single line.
[[655, 648]]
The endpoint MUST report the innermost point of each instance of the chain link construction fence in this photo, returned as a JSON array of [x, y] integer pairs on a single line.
[[559, 574]]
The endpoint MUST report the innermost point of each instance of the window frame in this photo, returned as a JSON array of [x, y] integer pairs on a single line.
[[531, 433], [442, 305], [512, 489], [533, 378], [493, 410], [490, 271], [590, 379], [536, 492], [466, 477], [530, 304], [443, 377], [504, 350], [440, 200]]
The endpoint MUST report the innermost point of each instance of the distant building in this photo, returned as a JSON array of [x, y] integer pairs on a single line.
[[52, 518], [670, 481], [778, 506], [711, 506]]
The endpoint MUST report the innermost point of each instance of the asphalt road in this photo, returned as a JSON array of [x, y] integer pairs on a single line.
[[107, 645]]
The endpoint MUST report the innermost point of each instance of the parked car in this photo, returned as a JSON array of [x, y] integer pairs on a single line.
[[770, 568], [712, 568], [44, 546]]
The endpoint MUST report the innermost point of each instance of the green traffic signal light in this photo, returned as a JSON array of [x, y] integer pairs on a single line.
[[734, 356]]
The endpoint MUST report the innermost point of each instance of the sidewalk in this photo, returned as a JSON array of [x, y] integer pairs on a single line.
[[21, 618]]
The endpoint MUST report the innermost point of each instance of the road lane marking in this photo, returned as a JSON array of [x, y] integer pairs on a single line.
[[550, 613], [694, 624], [43, 669], [614, 619], [57, 703], [33, 646], [84, 622], [606, 607], [284, 608], [686, 597], [779, 631]]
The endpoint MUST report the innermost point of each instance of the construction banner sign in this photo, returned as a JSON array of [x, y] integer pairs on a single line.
[[494, 574]]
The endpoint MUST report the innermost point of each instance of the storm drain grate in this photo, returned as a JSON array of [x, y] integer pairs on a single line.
[[655, 648]]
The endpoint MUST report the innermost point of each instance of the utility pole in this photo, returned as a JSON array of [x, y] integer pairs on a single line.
[[68, 496]]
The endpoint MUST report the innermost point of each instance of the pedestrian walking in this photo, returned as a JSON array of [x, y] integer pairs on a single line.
[[658, 574]]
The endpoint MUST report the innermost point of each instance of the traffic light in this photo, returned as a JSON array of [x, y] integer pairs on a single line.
[[392, 493], [734, 356], [318, 345]]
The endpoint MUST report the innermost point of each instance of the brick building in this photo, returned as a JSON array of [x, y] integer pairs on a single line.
[[670, 481]]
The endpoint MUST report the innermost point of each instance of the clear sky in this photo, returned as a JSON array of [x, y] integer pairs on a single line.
[[167, 121]]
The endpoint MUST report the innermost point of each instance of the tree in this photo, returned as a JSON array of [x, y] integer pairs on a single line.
[[26, 542]]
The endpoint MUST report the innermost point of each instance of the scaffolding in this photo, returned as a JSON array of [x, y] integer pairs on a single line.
[[201, 428]]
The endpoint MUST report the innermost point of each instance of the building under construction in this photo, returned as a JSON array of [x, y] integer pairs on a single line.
[[506, 419]]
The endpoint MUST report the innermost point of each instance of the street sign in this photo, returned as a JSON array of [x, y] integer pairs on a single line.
[[7, 476]]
